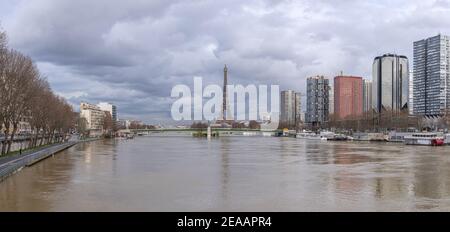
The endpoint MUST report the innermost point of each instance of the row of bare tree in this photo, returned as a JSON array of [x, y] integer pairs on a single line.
[[136, 125], [251, 125], [25, 95], [373, 121]]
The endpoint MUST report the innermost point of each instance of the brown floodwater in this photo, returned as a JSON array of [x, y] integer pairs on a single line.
[[233, 174]]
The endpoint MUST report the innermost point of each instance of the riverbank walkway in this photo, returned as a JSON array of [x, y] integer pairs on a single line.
[[11, 164]]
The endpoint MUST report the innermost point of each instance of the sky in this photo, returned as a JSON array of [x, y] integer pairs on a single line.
[[131, 53]]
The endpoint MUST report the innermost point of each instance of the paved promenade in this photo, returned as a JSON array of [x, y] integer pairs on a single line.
[[11, 164]]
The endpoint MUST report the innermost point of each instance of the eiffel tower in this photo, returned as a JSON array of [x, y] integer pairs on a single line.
[[225, 116]]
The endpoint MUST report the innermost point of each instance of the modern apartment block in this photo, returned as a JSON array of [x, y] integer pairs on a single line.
[[112, 109], [390, 83], [317, 100], [367, 96], [298, 108], [348, 96], [290, 108], [431, 76], [94, 118]]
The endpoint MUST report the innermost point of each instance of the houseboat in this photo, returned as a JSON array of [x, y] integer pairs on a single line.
[[326, 135], [129, 136], [309, 135], [427, 139], [339, 137], [285, 133], [447, 138]]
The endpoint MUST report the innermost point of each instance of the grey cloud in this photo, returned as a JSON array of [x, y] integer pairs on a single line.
[[133, 53]]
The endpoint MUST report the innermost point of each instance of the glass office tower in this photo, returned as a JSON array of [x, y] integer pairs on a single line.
[[390, 83]]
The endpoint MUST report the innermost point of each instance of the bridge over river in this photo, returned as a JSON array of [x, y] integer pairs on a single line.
[[190, 131]]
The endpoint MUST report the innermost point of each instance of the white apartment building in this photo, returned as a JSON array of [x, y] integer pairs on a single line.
[[112, 109], [94, 117]]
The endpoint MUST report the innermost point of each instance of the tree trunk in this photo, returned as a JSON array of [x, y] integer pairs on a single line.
[[3, 146], [33, 139], [42, 138], [50, 137], [36, 137], [5, 141], [11, 140]]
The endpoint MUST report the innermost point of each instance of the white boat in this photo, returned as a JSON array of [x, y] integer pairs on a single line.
[[339, 137], [427, 139], [250, 133], [326, 135], [129, 136], [398, 136], [308, 135], [267, 134], [362, 136], [447, 138]]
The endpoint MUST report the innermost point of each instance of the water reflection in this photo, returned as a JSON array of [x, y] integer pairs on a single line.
[[224, 161], [431, 180], [233, 173], [46, 180]]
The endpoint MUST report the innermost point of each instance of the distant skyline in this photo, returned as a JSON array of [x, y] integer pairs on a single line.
[[132, 53]]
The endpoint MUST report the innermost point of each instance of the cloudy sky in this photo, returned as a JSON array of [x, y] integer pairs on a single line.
[[132, 53]]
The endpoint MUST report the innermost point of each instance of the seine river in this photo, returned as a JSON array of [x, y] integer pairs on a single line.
[[233, 174]]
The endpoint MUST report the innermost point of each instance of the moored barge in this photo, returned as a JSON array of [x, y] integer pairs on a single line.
[[426, 139]]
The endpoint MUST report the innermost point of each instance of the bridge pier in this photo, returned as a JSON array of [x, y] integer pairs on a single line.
[[208, 133]]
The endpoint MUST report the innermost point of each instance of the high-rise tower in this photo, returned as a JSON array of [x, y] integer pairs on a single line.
[[290, 108], [348, 96], [431, 76], [317, 100], [390, 83], [367, 96]]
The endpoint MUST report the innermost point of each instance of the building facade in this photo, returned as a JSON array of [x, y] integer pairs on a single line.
[[290, 108], [112, 109], [331, 99], [23, 127], [317, 100], [298, 108], [390, 83], [129, 124], [411, 93], [367, 96], [431, 76], [94, 118], [348, 96]]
